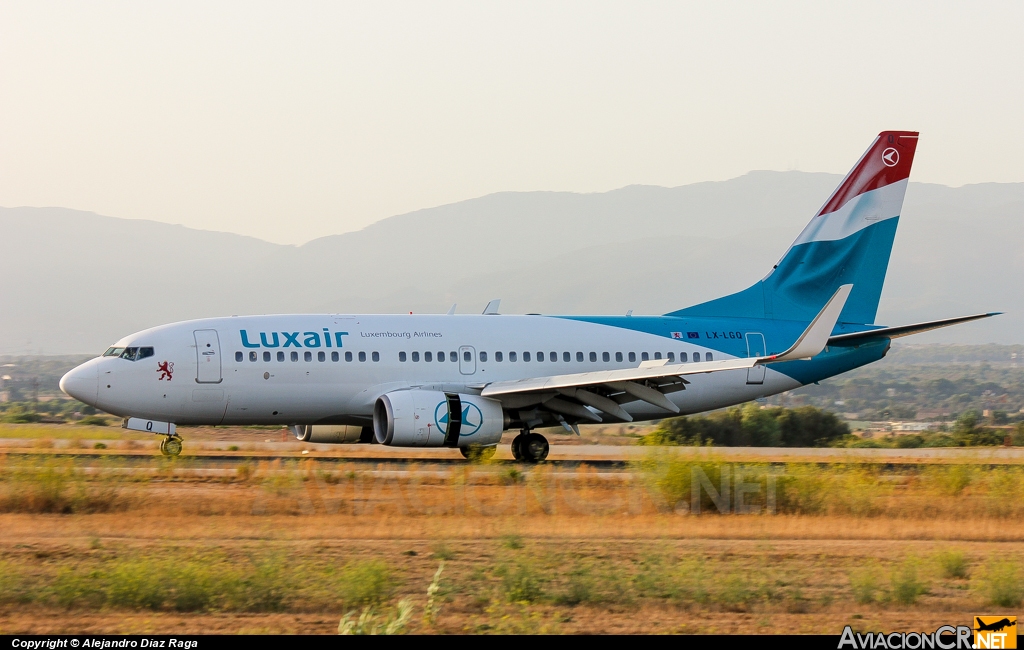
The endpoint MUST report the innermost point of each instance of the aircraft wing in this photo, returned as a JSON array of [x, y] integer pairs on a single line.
[[604, 390], [905, 330]]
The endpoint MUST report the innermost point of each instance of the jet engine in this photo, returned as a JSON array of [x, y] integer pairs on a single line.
[[425, 418]]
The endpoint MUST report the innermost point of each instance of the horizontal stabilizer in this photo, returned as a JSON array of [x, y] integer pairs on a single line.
[[905, 330]]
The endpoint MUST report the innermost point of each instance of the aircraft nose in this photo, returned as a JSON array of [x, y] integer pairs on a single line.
[[82, 383]]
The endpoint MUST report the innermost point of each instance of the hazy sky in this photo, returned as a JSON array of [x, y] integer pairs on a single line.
[[292, 120]]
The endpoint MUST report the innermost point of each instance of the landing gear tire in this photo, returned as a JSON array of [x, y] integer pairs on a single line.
[[478, 453], [170, 446], [517, 442], [534, 448]]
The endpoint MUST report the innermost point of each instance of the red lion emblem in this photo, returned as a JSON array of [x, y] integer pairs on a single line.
[[166, 370]]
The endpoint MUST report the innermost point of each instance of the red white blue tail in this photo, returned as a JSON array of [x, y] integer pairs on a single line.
[[847, 242]]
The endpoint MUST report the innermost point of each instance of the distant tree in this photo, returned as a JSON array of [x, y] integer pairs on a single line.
[[752, 426]]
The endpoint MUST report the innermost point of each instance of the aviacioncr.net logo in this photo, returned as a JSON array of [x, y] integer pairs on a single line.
[[472, 418]]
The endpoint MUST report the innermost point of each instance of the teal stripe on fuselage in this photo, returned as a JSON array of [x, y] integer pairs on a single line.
[[728, 335]]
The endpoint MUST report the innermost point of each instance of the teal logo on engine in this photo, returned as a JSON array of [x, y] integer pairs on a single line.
[[472, 418]]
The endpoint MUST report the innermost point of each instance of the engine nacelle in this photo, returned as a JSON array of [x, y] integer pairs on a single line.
[[330, 434], [424, 418]]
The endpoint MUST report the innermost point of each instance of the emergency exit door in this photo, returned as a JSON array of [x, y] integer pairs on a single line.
[[467, 360], [755, 348], [207, 357]]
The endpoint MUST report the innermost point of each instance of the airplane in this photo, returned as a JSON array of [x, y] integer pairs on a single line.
[[460, 381]]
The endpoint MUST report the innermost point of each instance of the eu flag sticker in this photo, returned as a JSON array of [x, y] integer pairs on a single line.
[[693, 335]]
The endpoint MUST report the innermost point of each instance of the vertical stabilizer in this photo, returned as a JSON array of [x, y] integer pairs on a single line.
[[847, 242]]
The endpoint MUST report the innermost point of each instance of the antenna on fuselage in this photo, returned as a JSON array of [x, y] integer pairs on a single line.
[[492, 307], [451, 312]]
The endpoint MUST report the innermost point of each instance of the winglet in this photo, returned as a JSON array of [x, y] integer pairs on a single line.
[[815, 337], [492, 307]]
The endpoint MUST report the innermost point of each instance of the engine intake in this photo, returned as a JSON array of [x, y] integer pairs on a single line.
[[425, 418]]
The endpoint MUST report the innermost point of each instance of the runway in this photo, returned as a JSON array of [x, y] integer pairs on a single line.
[[606, 455]]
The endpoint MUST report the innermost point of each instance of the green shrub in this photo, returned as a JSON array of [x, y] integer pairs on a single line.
[[512, 541], [904, 585], [520, 583], [952, 563], [366, 583], [864, 584], [94, 420], [1001, 584]]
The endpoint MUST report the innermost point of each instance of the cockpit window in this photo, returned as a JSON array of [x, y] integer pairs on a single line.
[[113, 352], [131, 354]]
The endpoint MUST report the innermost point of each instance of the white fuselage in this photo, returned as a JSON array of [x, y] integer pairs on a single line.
[[330, 369]]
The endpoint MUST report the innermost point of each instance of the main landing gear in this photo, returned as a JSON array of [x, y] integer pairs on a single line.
[[171, 445], [529, 447]]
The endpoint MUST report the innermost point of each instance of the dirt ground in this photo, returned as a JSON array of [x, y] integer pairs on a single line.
[[800, 573], [549, 549]]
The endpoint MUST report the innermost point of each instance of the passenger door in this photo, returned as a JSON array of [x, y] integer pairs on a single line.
[[467, 360], [207, 357], [755, 348]]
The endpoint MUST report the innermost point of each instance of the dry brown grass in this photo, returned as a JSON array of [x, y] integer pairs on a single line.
[[545, 550]]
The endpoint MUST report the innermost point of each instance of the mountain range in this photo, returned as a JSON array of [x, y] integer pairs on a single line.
[[74, 281]]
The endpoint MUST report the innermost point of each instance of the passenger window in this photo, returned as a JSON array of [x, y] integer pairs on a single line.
[[415, 357], [540, 356], [239, 356], [334, 356], [497, 356], [252, 356], [266, 356], [552, 356], [440, 356], [467, 355], [566, 357], [632, 357], [145, 352], [593, 357], [453, 356], [428, 356], [295, 355], [671, 357], [375, 356], [683, 357], [483, 356], [512, 357], [579, 357], [605, 356], [707, 356], [401, 356], [526, 356], [362, 356], [280, 355], [321, 356], [618, 357], [307, 355], [644, 356], [657, 355], [348, 356]]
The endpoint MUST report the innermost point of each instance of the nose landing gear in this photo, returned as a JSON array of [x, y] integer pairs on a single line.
[[171, 445], [530, 447]]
